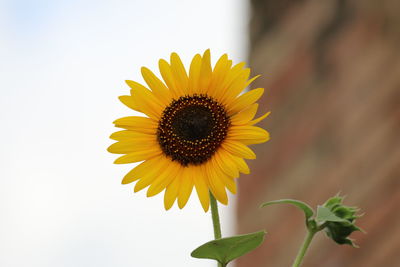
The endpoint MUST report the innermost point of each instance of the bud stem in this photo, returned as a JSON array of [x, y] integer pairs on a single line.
[[303, 249]]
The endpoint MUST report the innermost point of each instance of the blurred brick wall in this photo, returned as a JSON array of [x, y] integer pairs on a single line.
[[331, 69]]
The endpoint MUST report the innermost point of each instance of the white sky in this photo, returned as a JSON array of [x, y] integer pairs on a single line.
[[62, 67]]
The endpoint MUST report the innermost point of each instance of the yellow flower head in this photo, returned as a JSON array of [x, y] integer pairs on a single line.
[[196, 130]]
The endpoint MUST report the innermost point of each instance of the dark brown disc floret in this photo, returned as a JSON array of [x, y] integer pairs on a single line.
[[192, 128]]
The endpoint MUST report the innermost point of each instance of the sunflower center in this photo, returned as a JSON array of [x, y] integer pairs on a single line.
[[192, 128], [193, 123]]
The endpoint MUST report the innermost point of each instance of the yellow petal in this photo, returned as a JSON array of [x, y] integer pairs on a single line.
[[244, 100], [202, 190], [225, 179], [241, 165], [138, 130], [157, 86], [218, 74], [236, 87], [179, 73], [205, 72], [229, 183], [148, 103], [224, 160], [194, 74], [127, 135], [186, 186], [138, 156], [232, 75], [245, 116], [248, 134], [152, 174], [140, 170], [166, 73], [130, 102], [259, 119], [138, 124], [238, 149], [251, 80], [164, 179], [216, 186], [130, 146], [171, 192], [217, 88]]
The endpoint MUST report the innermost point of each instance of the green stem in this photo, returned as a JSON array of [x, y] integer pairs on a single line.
[[303, 249], [215, 220], [215, 217]]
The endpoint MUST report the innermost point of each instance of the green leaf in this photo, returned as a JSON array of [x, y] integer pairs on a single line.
[[308, 211], [227, 249], [324, 214]]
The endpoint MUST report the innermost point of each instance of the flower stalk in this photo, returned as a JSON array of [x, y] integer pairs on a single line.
[[302, 252], [215, 220]]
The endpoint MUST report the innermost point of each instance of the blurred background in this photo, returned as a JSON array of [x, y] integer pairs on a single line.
[[331, 70]]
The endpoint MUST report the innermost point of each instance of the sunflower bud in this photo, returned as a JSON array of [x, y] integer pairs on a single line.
[[338, 219]]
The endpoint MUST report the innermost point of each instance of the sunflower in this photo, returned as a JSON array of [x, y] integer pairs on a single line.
[[195, 132]]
